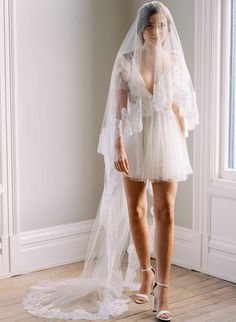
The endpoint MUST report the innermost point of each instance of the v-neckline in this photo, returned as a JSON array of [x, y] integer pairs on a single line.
[[144, 84], [154, 84], [145, 87]]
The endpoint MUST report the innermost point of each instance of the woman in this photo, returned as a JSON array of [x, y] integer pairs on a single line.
[[158, 153], [151, 106]]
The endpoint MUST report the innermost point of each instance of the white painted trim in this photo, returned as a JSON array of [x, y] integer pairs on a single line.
[[54, 246], [183, 245], [10, 222], [203, 73], [198, 139], [212, 114], [225, 172], [225, 43], [64, 244]]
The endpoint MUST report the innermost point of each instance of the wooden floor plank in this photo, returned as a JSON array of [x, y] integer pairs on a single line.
[[193, 296]]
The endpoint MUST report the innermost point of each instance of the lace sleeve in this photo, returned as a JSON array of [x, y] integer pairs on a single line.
[[116, 123], [122, 73], [183, 93]]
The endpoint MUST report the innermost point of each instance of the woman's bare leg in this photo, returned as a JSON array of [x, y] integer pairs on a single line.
[[164, 194], [137, 208]]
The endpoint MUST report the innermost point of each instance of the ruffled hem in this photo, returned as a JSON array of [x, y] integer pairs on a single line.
[[158, 152], [184, 177]]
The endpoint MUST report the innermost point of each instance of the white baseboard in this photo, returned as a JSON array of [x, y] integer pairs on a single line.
[[221, 251], [4, 257], [183, 247], [68, 244], [54, 246]]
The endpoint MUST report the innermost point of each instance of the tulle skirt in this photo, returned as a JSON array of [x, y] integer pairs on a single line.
[[158, 152]]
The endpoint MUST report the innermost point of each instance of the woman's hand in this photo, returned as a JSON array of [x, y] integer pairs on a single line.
[[179, 118], [121, 160]]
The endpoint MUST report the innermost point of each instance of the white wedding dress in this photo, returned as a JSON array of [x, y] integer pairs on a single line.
[[155, 146]]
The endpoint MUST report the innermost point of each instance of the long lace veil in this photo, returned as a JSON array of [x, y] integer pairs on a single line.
[[100, 291]]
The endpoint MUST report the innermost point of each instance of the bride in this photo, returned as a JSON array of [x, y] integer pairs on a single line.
[[150, 108]]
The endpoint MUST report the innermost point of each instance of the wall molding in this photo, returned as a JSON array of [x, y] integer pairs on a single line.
[[64, 244], [183, 247], [60, 245], [54, 246]]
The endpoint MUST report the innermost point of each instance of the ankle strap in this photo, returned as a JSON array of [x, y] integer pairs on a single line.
[[165, 285], [147, 269]]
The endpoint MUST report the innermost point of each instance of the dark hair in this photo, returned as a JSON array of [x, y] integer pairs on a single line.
[[145, 13]]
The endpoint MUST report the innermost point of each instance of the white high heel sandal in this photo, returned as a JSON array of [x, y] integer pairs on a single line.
[[144, 298], [156, 302]]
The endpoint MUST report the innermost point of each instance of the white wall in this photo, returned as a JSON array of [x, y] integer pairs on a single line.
[[64, 52]]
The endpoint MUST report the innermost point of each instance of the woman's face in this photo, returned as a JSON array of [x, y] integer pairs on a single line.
[[156, 29]]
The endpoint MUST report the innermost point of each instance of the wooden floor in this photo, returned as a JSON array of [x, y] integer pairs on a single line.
[[193, 297]]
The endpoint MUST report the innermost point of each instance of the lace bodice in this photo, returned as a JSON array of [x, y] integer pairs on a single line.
[[173, 86], [137, 91]]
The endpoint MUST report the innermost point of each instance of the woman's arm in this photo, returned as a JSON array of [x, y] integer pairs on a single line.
[[121, 161], [179, 117], [121, 101]]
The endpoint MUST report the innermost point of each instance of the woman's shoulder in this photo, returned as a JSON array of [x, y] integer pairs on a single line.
[[125, 59], [129, 56], [123, 65]]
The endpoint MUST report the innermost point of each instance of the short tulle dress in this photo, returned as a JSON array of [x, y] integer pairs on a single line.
[[154, 143]]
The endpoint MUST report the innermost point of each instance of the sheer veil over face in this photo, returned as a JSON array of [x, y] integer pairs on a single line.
[[148, 76], [152, 52]]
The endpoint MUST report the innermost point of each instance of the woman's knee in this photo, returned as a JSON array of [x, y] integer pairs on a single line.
[[137, 212], [165, 213]]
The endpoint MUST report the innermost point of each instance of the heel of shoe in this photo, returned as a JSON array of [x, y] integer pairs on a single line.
[[154, 304]]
